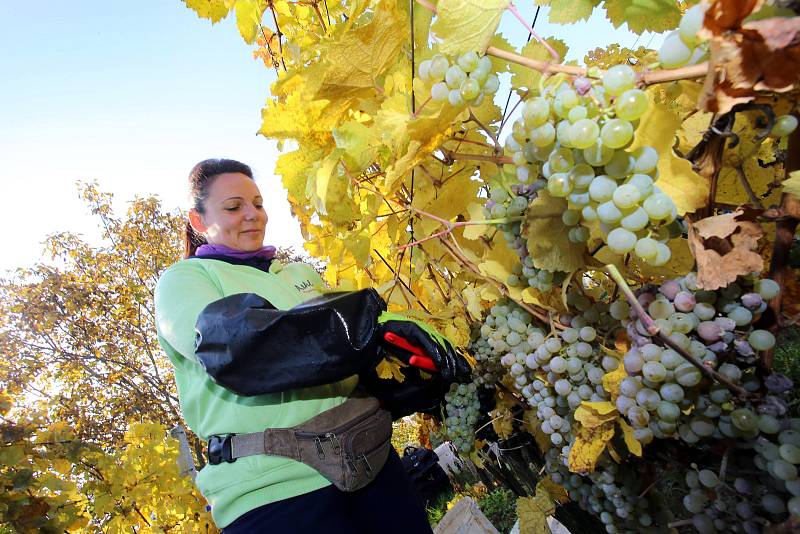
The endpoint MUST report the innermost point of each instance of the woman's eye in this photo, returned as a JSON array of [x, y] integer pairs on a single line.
[[233, 208], [259, 206]]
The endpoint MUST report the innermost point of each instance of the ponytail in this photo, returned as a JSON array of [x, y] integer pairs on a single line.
[[192, 241]]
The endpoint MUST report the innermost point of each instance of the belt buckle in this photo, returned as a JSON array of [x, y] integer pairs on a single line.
[[219, 449]]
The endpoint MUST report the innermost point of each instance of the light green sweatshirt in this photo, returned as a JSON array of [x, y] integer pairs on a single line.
[[232, 489]]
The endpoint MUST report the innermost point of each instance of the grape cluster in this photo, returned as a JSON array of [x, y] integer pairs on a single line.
[[611, 492], [715, 327], [758, 486], [501, 204], [684, 46], [465, 81], [462, 410], [578, 133]]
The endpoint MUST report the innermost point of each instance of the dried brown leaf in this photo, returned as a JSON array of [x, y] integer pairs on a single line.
[[724, 15], [762, 55], [724, 248]]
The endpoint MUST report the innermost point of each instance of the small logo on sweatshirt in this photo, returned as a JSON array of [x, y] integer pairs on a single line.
[[305, 285]]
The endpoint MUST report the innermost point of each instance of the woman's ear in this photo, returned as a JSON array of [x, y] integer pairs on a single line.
[[196, 220]]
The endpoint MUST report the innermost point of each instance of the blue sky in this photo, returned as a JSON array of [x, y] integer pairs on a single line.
[[132, 94]]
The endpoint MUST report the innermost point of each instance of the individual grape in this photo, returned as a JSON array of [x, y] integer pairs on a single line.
[[668, 411], [584, 133], [658, 206], [620, 165], [631, 104], [454, 98], [468, 61], [643, 183], [691, 23], [646, 248], [543, 135], [671, 392], [687, 375], [559, 184], [684, 301], [768, 289], [470, 89], [588, 333], [439, 91], [454, 77], [704, 311], [619, 309], [598, 154], [438, 67], [619, 79], [626, 196], [621, 241], [789, 452], [577, 113], [752, 300], [616, 133], [638, 416], [783, 470], [761, 340], [708, 478], [609, 213], [744, 419], [654, 371], [741, 316], [794, 506], [491, 85], [709, 331], [773, 504], [602, 189], [674, 52], [784, 125]]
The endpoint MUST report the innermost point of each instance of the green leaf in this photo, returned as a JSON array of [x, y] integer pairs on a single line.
[[644, 15], [465, 25], [570, 11]]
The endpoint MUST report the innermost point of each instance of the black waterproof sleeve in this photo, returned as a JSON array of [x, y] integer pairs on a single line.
[[251, 348]]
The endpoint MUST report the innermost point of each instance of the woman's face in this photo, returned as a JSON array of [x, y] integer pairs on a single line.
[[234, 213]]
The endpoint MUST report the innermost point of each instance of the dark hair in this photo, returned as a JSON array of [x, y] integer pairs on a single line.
[[200, 180]]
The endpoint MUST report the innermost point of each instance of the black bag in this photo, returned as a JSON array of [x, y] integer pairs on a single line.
[[427, 476]]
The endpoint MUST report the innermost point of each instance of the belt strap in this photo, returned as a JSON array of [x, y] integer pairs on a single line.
[[274, 441]]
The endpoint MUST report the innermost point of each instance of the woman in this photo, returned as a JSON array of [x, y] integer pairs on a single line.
[[227, 269]]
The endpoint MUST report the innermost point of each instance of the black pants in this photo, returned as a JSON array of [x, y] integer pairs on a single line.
[[388, 505]]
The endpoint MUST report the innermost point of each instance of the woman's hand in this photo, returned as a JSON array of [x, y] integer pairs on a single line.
[[452, 366]]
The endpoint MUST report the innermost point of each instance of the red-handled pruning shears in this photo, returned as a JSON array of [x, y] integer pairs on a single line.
[[419, 358]]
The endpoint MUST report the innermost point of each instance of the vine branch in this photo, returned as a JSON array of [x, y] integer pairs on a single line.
[[653, 329]]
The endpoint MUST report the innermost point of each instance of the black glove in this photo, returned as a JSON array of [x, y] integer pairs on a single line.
[[452, 366]]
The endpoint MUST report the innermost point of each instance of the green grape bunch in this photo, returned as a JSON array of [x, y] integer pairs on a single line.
[[462, 412], [579, 133], [464, 81]]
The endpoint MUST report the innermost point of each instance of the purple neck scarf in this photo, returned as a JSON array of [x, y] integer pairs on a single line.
[[267, 252]]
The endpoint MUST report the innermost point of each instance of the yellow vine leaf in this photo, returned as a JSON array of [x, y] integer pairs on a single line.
[[556, 491], [248, 18], [360, 56], [502, 422], [465, 25], [594, 428], [474, 305], [589, 444], [641, 16], [533, 512], [612, 380], [627, 434], [475, 231], [570, 11], [390, 368], [214, 10], [657, 128], [527, 78], [792, 184], [548, 241]]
